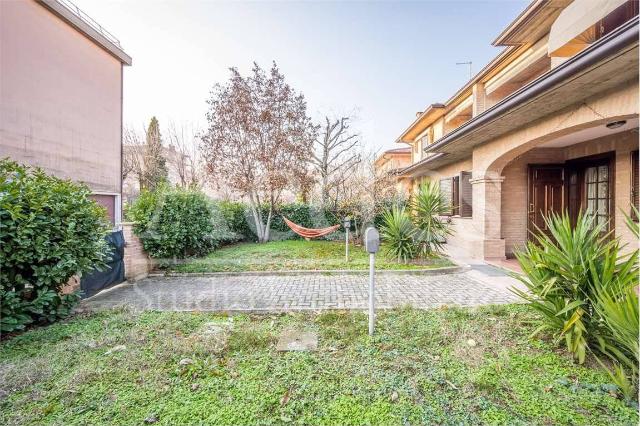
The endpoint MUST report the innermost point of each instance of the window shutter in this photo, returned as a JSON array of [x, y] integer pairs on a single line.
[[466, 195], [455, 195], [445, 190], [635, 175]]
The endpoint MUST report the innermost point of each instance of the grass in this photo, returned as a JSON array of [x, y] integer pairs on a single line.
[[296, 255], [420, 368]]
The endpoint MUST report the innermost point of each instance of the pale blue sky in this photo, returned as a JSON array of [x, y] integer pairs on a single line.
[[383, 60]]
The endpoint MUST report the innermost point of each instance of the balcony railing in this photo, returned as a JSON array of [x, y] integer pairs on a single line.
[[89, 21]]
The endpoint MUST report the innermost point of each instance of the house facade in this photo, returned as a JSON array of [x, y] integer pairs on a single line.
[[549, 125], [61, 95], [391, 163]]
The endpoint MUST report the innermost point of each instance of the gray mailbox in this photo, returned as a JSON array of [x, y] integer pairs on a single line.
[[372, 245], [372, 240], [346, 222]]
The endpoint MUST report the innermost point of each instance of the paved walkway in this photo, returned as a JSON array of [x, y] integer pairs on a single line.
[[482, 285]]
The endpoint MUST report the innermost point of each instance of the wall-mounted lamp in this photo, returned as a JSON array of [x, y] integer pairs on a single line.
[[616, 124]]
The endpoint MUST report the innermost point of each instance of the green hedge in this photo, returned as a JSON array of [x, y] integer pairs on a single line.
[[49, 231], [236, 216], [240, 220], [176, 223]]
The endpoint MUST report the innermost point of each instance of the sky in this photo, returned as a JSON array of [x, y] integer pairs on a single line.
[[380, 62]]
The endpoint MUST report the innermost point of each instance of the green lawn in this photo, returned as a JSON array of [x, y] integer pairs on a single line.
[[420, 368], [296, 255]]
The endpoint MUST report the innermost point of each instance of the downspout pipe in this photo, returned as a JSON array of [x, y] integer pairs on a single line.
[[605, 47]]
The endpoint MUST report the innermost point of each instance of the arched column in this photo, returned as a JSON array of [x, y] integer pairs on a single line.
[[487, 208]]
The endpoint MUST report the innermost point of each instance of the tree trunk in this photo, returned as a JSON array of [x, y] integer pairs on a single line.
[[267, 228], [262, 230]]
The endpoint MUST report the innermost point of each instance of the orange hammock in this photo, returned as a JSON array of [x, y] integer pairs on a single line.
[[309, 233]]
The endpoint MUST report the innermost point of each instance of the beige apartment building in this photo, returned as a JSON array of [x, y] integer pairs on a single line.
[[549, 125], [61, 95]]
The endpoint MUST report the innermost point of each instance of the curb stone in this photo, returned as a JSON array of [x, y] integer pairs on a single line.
[[433, 271]]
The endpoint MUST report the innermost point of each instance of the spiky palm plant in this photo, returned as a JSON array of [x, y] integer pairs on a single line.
[[428, 207], [615, 301], [398, 234], [563, 273]]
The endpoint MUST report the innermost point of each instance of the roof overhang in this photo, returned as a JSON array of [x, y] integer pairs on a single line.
[[392, 153], [605, 65], [87, 27], [421, 122], [532, 23]]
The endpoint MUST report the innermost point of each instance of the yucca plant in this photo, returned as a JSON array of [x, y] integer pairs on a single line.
[[562, 271], [616, 303], [618, 338], [398, 234], [428, 206]]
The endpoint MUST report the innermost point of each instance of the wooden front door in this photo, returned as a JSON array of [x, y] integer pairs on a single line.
[[546, 195]]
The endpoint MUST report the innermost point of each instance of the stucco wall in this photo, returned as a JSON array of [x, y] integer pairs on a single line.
[[449, 170], [60, 98]]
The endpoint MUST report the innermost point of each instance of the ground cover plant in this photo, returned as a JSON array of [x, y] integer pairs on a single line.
[[446, 366], [295, 255], [50, 230]]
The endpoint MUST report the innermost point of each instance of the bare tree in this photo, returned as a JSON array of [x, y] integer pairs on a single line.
[[335, 158], [185, 158], [367, 192], [133, 157], [259, 139]]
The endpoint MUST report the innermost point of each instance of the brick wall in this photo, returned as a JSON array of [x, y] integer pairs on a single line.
[[137, 263], [514, 195], [514, 187]]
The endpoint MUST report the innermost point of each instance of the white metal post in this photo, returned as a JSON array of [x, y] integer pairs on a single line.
[[346, 245], [372, 260]]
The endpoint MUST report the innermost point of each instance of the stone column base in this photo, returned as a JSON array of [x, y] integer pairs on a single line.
[[490, 249]]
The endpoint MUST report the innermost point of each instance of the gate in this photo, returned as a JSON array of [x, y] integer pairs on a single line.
[[113, 274]]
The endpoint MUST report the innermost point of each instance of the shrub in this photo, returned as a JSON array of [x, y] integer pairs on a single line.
[[428, 206], [236, 216], [399, 233], [177, 223], [49, 231], [573, 276]]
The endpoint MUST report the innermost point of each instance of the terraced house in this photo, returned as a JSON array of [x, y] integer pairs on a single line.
[[550, 124]]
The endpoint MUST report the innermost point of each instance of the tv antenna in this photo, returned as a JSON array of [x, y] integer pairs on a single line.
[[467, 63]]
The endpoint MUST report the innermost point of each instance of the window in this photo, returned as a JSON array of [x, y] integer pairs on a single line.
[[635, 175], [466, 194], [596, 180], [111, 202], [457, 193], [446, 189], [615, 19]]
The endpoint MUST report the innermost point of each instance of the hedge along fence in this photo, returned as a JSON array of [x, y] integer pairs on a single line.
[[175, 223], [240, 220]]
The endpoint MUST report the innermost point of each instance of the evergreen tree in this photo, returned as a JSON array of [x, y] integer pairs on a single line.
[[155, 165]]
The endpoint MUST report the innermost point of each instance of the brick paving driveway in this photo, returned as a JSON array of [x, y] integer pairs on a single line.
[[308, 292]]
